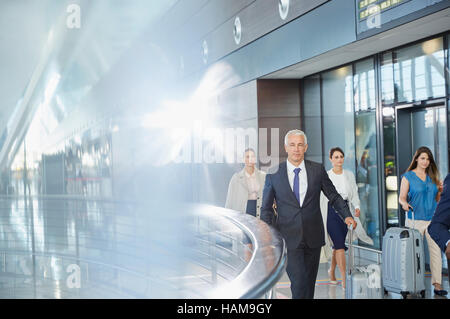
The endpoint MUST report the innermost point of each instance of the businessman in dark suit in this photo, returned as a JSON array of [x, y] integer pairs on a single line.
[[440, 223], [295, 186]]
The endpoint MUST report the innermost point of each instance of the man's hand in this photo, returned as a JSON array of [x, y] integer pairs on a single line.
[[350, 221], [447, 251]]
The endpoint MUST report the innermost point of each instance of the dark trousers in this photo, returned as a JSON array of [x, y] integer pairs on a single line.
[[302, 267]]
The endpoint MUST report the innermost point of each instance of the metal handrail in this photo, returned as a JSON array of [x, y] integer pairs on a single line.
[[376, 251], [368, 249], [268, 260]]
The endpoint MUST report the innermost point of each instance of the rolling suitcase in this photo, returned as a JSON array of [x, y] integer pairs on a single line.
[[362, 282], [403, 261]]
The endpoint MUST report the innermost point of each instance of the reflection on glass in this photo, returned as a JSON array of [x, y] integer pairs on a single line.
[[442, 141], [312, 117], [110, 248], [364, 85], [387, 79], [366, 146], [78, 168], [367, 172], [388, 115], [390, 170], [338, 116], [430, 129], [104, 92], [419, 71], [448, 62]]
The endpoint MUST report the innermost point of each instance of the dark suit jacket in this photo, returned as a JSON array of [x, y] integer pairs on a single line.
[[440, 223], [300, 224]]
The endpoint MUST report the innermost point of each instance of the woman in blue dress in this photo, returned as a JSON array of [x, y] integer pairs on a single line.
[[345, 184], [419, 192]]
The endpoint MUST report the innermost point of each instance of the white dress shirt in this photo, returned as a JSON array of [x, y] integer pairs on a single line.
[[340, 183], [302, 178], [345, 185]]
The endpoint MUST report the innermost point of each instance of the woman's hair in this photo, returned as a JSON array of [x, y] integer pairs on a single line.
[[334, 149], [249, 150], [431, 170]]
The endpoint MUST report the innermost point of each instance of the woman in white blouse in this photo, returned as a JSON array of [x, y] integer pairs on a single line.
[[245, 188], [345, 184]]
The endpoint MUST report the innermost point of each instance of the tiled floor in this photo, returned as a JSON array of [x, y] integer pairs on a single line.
[[326, 290]]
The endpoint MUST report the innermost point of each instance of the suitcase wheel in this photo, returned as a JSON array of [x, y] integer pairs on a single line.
[[422, 294], [404, 294]]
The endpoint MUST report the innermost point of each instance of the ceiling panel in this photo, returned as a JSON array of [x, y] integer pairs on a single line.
[[407, 33]]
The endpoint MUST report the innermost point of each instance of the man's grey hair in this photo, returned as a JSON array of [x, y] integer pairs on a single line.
[[294, 132]]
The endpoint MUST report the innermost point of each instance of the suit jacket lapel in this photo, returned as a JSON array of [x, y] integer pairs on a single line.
[[285, 181], [309, 175]]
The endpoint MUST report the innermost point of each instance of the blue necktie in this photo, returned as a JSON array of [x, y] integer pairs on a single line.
[[297, 185]]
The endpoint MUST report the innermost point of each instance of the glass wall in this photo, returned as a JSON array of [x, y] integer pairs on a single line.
[[364, 85], [387, 79], [338, 118], [81, 165], [366, 146], [447, 54], [419, 71], [414, 73], [339, 107], [312, 119], [388, 119]]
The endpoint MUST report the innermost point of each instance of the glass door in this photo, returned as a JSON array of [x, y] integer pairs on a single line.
[[429, 128]]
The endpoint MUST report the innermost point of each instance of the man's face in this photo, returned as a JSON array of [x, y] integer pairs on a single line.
[[296, 148]]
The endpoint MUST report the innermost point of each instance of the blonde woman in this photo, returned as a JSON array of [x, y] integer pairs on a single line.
[[245, 188]]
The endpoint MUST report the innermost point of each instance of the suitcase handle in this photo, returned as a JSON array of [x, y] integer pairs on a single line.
[[350, 251], [413, 219]]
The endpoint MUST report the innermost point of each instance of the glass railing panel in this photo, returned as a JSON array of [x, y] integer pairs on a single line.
[[44, 242]]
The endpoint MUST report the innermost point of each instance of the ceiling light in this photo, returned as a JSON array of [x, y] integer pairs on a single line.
[[237, 31], [283, 8], [205, 51]]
